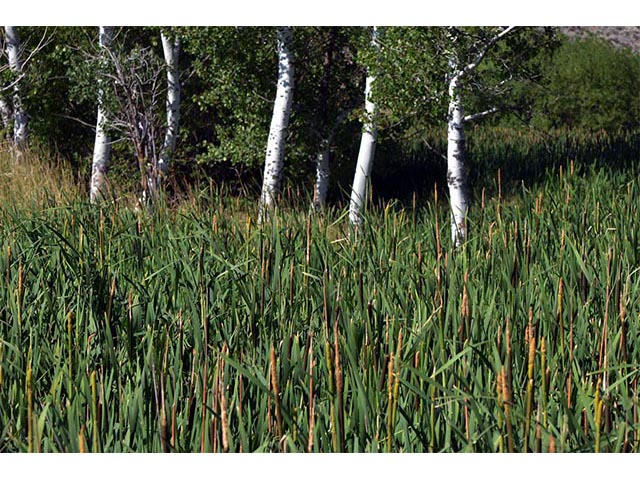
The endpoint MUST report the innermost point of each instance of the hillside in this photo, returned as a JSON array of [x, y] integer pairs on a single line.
[[628, 37]]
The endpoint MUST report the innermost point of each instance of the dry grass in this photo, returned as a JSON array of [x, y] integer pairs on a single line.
[[33, 179]]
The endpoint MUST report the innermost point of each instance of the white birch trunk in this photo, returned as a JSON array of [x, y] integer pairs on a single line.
[[366, 152], [5, 118], [171, 48], [102, 144], [456, 168], [274, 161], [322, 177], [20, 120]]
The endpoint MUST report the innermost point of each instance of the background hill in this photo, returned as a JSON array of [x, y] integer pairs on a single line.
[[628, 37]]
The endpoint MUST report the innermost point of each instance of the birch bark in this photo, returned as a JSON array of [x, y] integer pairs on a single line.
[[322, 177], [5, 118], [20, 119], [102, 144], [456, 168], [171, 48], [274, 161], [367, 149]]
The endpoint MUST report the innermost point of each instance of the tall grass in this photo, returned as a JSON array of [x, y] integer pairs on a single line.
[[198, 331], [26, 181]]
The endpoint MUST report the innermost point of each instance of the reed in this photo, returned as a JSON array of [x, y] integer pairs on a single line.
[[194, 330]]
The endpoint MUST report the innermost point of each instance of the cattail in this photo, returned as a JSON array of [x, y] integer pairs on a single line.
[[339, 384], [164, 430], [597, 406], [416, 364], [538, 431], [530, 368], [623, 324], [276, 393], [570, 376], [307, 256], [20, 290], [203, 417], [538, 209], [81, 445], [311, 396], [390, 402], [500, 402], [69, 345], [223, 401], [30, 418], [559, 315], [94, 411], [465, 315], [8, 264], [437, 229]]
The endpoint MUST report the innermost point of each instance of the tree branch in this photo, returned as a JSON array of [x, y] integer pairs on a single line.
[[473, 65], [476, 116]]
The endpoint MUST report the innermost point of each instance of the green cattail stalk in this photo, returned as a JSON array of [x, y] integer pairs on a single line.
[[332, 392], [597, 405], [500, 402], [543, 383], [223, 402], [70, 346], [390, 403], [94, 412], [19, 293], [311, 399], [559, 315], [339, 384]]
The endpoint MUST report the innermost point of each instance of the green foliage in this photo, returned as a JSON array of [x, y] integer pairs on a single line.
[[412, 87], [234, 86], [590, 84], [237, 69]]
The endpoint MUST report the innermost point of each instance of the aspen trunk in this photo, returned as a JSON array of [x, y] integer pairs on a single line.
[[456, 168], [323, 156], [171, 48], [322, 177], [274, 161], [20, 119], [5, 118], [366, 152], [102, 144]]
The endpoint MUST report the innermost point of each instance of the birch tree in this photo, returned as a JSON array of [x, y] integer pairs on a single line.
[[367, 147], [5, 117], [20, 119], [274, 161], [456, 165], [322, 157], [171, 48], [102, 143], [327, 105]]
